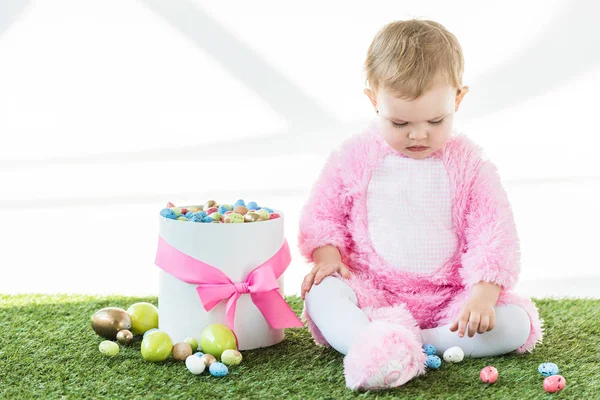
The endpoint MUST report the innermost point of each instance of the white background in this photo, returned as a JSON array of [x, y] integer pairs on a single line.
[[109, 109]]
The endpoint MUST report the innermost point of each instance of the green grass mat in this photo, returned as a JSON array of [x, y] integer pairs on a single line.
[[48, 350]]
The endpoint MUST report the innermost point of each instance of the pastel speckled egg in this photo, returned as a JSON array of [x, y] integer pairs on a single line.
[[195, 218], [223, 208], [264, 214], [268, 210], [176, 210], [168, 213], [216, 216], [198, 354], [181, 351], [193, 209], [251, 216], [195, 365], [170, 205], [234, 218], [231, 357], [548, 369], [489, 374], [211, 210], [109, 348], [207, 220], [433, 362], [240, 210], [274, 216], [454, 354], [429, 349], [252, 205], [218, 369], [554, 383], [209, 204], [240, 202], [182, 218]]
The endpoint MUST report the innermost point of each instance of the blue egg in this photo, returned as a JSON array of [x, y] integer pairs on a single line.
[[268, 210], [218, 369], [167, 213], [252, 205], [207, 219], [433, 362], [202, 214], [195, 218], [548, 369], [222, 209], [240, 202], [429, 349], [148, 331], [189, 214], [198, 354]]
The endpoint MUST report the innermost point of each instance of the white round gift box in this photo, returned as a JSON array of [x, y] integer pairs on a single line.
[[236, 250]]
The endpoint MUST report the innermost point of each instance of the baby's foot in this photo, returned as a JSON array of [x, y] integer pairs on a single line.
[[385, 355]]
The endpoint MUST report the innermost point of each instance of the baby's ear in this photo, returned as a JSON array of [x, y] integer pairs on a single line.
[[372, 96], [460, 94]]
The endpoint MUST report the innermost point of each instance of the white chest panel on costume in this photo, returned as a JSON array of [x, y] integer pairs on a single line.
[[409, 211]]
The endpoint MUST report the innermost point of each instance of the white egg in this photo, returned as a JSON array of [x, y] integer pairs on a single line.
[[454, 354], [195, 365]]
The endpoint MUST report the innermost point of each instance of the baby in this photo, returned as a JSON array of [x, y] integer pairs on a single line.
[[409, 228]]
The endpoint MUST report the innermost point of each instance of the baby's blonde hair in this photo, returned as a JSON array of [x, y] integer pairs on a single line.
[[405, 57]]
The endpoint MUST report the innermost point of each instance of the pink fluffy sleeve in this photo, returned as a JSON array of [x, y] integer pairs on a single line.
[[492, 246], [324, 216]]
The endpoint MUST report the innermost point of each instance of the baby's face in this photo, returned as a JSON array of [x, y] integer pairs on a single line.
[[418, 128]]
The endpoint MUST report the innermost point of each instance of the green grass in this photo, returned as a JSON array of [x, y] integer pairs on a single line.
[[48, 350]]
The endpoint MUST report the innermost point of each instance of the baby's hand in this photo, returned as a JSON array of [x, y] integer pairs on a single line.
[[320, 271], [478, 311]]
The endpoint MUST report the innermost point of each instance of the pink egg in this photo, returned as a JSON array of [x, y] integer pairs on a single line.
[[211, 210], [489, 374], [274, 215], [170, 205], [554, 383]]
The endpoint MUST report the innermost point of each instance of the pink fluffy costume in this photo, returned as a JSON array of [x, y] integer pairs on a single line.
[[400, 301]]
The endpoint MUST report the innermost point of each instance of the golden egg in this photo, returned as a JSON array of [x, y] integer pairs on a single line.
[[208, 359], [209, 204], [251, 217], [108, 321], [125, 336]]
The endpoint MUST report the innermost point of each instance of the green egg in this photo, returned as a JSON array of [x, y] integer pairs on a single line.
[[192, 342], [109, 348], [176, 210], [217, 338], [263, 213], [235, 218], [156, 346], [216, 216], [182, 218]]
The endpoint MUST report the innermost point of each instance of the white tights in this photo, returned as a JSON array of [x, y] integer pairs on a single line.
[[332, 305]]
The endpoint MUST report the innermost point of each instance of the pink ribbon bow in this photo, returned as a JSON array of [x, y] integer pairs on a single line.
[[214, 286]]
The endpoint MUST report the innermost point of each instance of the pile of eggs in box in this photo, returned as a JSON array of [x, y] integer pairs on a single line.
[[213, 212], [216, 341], [552, 383]]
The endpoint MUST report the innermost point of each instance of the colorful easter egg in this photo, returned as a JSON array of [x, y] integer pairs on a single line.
[[454, 354], [208, 359], [240, 202], [429, 349], [240, 210], [251, 216], [216, 216], [209, 204], [554, 383], [108, 321], [192, 342], [231, 357], [264, 214], [156, 346], [168, 213], [195, 365], [488, 375], [124, 336], [217, 338], [176, 210], [181, 351], [144, 316], [211, 210], [252, 205], [548, 369], [433, 362], [109, 348], [218, 369], [182, 218], [274, 216], [170, 205], [234, 218]]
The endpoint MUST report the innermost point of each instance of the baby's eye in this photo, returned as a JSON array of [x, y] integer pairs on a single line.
[[436, 122], [399, 125]]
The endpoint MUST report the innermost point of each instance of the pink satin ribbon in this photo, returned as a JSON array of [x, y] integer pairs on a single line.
[[214, 286]]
